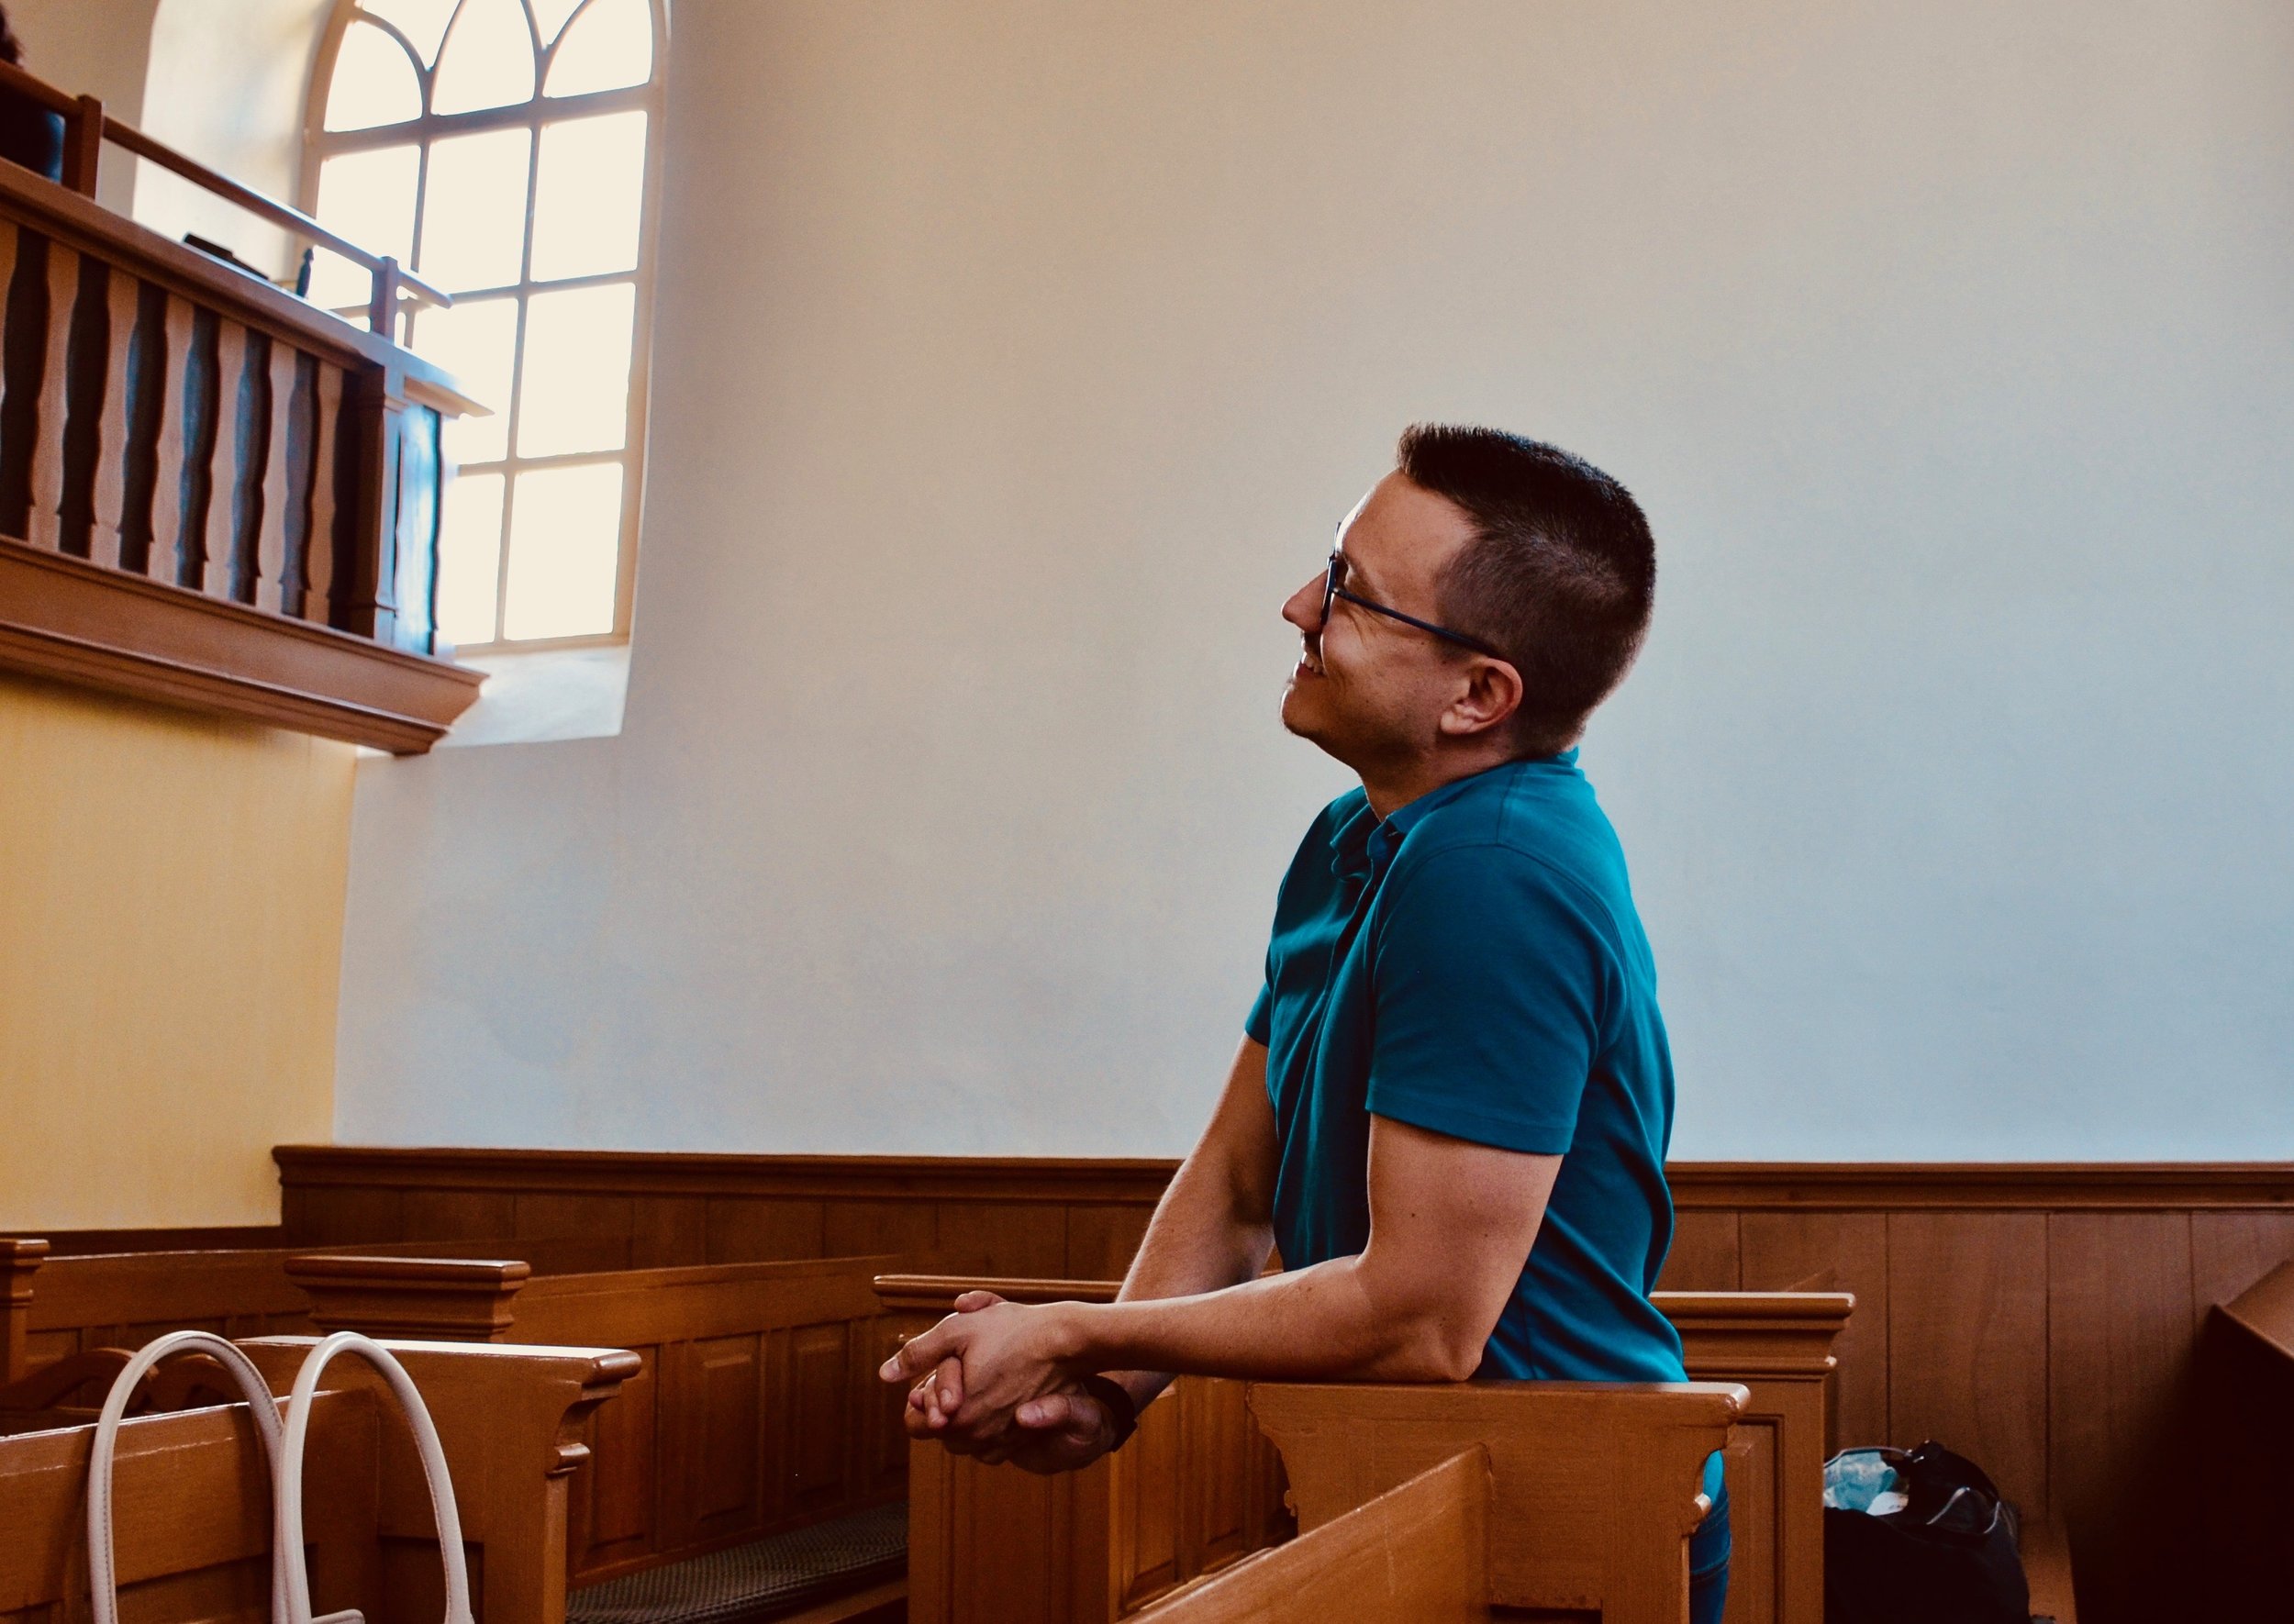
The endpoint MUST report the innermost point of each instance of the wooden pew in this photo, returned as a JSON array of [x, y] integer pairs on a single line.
[[1450, 1502], [1199, 1489], [2245, 1437], [756, 1407], [61, 1305], [193, 1504], [1779, 1347]]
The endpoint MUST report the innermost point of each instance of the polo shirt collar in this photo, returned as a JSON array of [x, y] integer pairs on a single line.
[[1364, 847]]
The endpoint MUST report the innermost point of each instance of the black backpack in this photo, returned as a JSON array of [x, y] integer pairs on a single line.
[[1946, 1555]]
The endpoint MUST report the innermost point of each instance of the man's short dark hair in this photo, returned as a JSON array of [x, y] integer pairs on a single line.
[[1560, 573]]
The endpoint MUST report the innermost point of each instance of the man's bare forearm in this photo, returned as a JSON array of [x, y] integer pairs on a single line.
[[1213, 1227], [1339, 1320]]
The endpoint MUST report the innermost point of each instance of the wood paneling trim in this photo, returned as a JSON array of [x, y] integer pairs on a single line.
[[73, 621], [1698, 1186], [1013, 1179], [2049, 1187]]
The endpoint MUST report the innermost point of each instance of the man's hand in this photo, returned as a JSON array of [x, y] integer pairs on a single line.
[[985, 1361]]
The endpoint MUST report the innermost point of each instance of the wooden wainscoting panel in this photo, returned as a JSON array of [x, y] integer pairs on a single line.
[[1145, 1490], [458, 1214], [725, 1404], [2120, 1343], [1967, 1354], [821, 1422], [545, 1214], [616, 1512], [1704, 1254], [855, 1228], [2229, 1251], [1757, 1535], [1832, 1251], [1102, 1240], [763, 1229], [669, 1232], [1001, 1238]]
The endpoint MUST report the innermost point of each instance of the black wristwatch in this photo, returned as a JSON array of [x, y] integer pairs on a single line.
[[1116, 1399]]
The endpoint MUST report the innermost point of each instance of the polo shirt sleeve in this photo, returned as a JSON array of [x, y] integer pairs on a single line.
[[1259, 1025], [1491, 973]]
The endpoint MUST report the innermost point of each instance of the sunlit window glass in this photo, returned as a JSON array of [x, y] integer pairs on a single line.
[[469, 558], [368, 197], [375, 82], [477, 341], [423, 22], [610, 45], [590, 197], [487, 59], [473, 209], [500, 150], [563, 551]]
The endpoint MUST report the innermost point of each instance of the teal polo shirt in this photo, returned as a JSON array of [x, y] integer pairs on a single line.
[[1473, 966]]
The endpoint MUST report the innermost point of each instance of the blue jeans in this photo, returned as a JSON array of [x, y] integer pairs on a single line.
[[1708, 1565]]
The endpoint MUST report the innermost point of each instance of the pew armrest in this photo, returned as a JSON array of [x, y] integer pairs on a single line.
[[1598, 1485], [510, 1419]]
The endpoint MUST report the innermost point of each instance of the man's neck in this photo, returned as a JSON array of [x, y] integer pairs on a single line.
[[1395, 786]]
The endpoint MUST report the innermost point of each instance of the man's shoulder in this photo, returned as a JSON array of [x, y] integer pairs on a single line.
[[1541, 810], [1538, 827]]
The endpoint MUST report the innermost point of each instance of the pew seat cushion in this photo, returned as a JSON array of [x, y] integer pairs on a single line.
[[764, 1579]]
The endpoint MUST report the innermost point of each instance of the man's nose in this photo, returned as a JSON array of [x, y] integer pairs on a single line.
[[1304, 609]]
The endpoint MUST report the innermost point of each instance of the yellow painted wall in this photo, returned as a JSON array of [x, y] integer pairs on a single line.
[[170, 932]]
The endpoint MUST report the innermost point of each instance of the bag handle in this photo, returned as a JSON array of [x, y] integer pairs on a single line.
[[262, 1405], [287, 1493]]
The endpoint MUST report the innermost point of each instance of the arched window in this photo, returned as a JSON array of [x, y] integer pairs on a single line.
[[505, 149]]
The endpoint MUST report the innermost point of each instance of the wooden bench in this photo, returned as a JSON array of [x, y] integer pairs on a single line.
[[754, 1446], [1198, 1488], [193, 1506], [1444, 1505], [2245, 1440], [56, 1306]]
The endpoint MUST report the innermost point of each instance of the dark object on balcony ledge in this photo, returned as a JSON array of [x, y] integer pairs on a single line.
[[216, 250]]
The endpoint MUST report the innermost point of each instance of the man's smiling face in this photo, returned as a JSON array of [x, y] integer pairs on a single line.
[[1368, 689]]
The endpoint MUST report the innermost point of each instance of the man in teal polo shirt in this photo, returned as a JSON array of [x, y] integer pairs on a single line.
[[1451, 1108]]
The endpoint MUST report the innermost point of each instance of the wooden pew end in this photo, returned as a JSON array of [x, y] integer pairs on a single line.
[[2047, 1567]]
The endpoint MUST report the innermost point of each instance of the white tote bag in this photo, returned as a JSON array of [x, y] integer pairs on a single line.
[[283, 1454]]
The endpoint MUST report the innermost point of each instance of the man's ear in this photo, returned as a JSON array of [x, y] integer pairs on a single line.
[[1493, 693]]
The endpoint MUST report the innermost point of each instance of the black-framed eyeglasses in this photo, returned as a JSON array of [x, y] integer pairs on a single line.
[[1331, 589]]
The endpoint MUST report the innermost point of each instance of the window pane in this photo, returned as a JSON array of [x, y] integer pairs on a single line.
[[609, 46], [488, 60], [574, 396], [421, 21], [477, 341], [549, 17], [374, 83], [589, 198], [469, 558], [473, 209], [565, 546], [369, 198]]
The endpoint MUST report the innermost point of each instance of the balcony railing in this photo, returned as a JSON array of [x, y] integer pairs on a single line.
[[212, 494]]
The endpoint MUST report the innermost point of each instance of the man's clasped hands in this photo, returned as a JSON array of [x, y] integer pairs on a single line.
[[999, 1381]]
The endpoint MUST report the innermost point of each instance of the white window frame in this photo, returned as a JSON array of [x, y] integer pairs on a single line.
[[321, 143]]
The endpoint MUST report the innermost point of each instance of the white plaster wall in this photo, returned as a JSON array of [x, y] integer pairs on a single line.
[[1015, 358], [227, 85]]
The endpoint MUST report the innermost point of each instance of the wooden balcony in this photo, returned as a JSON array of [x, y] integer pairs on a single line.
[[212, 494]]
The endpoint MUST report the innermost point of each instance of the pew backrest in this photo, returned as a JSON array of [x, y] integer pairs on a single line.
[[56, 1306], [756, 1406], [1201, 1486], [1418, 1553], [2245, 1434], [1597, 1484], [192, 1498]]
